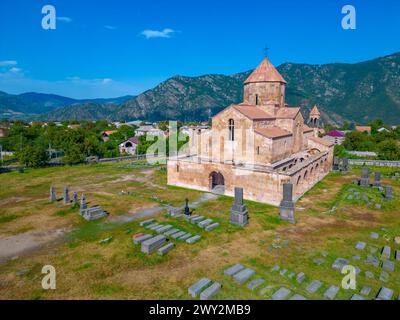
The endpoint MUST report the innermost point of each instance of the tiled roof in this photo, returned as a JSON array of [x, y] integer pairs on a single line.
[[265, 72], [110, 132], [315, 111], [336, 134], [363, 129], [273, 132], [322, 141], [252, 112], [287, 112]]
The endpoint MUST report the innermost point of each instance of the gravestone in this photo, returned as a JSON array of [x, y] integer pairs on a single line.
[[389, 192], [196, 288], [83, 205], [364, 182], [53, 196], [331, 292], [233, 270], [93, 213], [374, 235], [140, 239], [300, 277], [212, 226], [345, 164], [385, 294], [361, 245], [286, 208], [153, 244], [388, 265], [66, 195], [185, 237], [365, 291], [357, 297], [377, 179], [386, 252], [281, 294], [75, 199], [314, 286], [298, 297], [193, 239], [335, 166], [165, 249], [146, 222], [239, 213], [255, 283], [187, 210], [210, 291], [244, 275]]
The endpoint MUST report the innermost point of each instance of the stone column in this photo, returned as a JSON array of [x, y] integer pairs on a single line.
[[335, 164], [389, 192], [286, 208], [345, 164], [377, 179], [66, 195], [74, 199], [83, 203], [239, 213], [364, 177], [53, 196]]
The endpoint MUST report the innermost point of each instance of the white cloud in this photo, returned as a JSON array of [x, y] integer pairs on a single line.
[[166, 33], [110, 27], [15, 70], [7, 63], [64, 19]]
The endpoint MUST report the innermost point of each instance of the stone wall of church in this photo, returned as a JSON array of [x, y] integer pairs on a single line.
[[263, 93]]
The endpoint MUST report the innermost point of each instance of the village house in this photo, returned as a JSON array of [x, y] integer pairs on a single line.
[[129, 146], [366, 129], [335, 136], [149, 130], [105, 135], [259, 145]]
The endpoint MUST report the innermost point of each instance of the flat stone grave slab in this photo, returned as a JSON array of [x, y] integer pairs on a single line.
[[244, 275], [372, 260], [357, 297], [356, 258], [165, 249], [283, 272], [210, 291], [398, 255], [365, 291], [193, 239], [369, 275], [388, 265], [164, 229], [146, 222], [172, 231], [300, 277], [205, 223], [384, 276], [281, 294], [361, 245], [385, 294], [196, 288], [386, 252], [149, 226], [291, 275], [176, 235], [373, 250], [233, 270], [212, 226], [197, 219], [339, 263], [188, 218], [185, 237], [314, 286], [153, 244], [142, 238], [298, 297], [275, 268], [374, 235], [255, 283], [331, 292]]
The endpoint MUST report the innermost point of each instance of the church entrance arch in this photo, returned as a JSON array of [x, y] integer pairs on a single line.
[[217, 180]]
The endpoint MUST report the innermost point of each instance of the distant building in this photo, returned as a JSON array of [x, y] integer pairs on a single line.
[[383, 129], [74, 126], [105, 136], [129, 146], [3, 132], [366, 129], [335, 136], [149, 130]]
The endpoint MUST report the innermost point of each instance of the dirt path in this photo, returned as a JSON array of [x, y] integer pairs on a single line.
[[25, 243]]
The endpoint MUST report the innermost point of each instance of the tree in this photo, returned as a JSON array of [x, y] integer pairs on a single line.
[[388, 150], [73, 155], [32, 156]]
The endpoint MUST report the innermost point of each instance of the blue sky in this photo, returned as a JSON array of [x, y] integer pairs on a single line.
[[112, 48]]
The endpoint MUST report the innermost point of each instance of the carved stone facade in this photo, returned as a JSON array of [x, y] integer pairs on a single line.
[[257, 145]]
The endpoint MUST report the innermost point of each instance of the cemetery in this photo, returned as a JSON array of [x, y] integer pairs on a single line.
[[152, 242]]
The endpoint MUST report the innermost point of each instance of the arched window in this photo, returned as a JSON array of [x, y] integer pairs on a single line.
[[256, 99], [231, 130]]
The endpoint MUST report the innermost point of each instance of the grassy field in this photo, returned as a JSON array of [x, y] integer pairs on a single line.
[[87, 269]]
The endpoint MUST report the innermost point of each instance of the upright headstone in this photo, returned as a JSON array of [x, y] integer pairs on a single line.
[[364, 182], [239, 213], [345, 164], [187, 210], [286, 208], [389, 192], [66, 195], [53, 196], [75, 199], [377, 179], [83, 205], [335, 164]]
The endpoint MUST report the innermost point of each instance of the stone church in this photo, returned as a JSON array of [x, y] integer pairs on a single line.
[[257, 145]]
